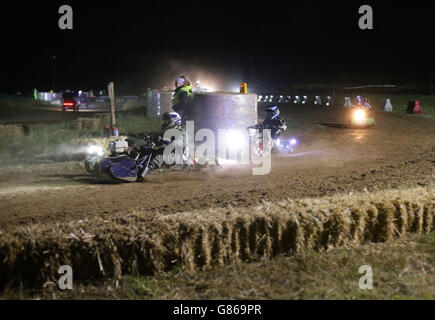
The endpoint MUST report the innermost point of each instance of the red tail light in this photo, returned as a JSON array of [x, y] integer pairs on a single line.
[[68, 104]]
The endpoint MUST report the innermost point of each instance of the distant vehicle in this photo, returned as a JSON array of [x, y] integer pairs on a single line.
[[82, 101], [361, 117], [69, 101]]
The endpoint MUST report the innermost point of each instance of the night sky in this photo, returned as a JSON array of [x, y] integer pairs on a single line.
[[141, 44]]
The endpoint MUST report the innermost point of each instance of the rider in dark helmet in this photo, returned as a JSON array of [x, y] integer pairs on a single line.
[[170, 120], [274, 122]]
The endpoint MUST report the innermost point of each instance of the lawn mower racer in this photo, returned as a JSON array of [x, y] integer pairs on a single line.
[[171, 120], [273, 121], [361, 117], [130, 163], [276, 124]]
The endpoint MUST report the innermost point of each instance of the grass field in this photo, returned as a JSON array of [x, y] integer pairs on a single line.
[[12, 106], [46, 138]]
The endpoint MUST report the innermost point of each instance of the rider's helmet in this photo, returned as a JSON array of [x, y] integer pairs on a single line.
[[272, 112], [171, 120]]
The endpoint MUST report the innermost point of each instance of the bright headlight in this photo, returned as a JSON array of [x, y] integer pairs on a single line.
[[359, 116], [97, 150], [235, 139]]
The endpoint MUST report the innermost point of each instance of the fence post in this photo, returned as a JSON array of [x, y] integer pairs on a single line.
[[112, 104]]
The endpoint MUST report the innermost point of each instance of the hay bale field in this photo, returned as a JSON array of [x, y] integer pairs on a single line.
[[12, 130], [148, 243], [89, 124]]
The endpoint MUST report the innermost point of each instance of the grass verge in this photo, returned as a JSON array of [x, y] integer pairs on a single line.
[[56, 138]]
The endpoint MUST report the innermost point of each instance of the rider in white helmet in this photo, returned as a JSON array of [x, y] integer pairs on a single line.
[[170, 120]]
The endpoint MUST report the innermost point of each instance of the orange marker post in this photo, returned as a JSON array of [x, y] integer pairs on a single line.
[[244, 88]]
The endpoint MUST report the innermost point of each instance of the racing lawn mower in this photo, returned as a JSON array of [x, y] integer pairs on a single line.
[[124, 163], [360, 117], [278, 145]]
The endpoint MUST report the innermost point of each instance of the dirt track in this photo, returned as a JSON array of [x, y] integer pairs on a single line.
[[399, 152]]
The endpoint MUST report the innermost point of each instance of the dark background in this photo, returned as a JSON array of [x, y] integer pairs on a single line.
[[140, 44]]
